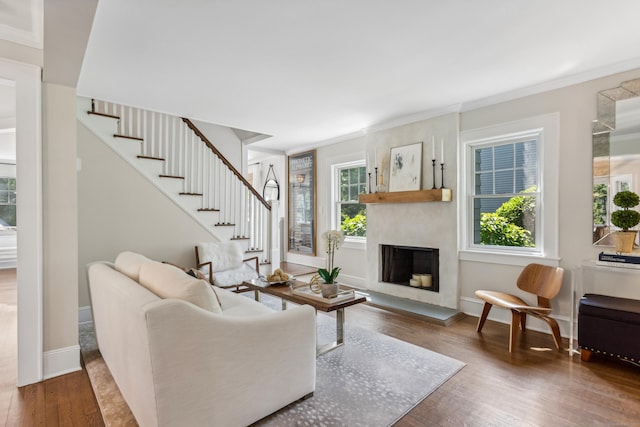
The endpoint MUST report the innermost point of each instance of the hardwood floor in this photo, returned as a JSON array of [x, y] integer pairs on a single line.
[[67, 400], [534, 386]]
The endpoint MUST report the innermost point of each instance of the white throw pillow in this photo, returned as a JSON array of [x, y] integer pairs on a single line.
[[168, 281], [129, 263], [222, 255]]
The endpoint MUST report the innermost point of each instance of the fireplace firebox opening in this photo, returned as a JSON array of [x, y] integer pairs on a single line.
[[410, 266]]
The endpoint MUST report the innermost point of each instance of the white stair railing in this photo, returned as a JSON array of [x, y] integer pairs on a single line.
[[188, 155]]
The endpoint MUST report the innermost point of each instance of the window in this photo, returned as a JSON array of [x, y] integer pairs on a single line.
[[349, 215], [7, 202], [509, 173], [505, 196]]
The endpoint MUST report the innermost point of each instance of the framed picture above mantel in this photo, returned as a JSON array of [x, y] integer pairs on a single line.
[[406, 168], [302, 203]]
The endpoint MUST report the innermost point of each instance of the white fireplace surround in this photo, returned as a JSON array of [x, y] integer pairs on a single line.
[[425, 224]]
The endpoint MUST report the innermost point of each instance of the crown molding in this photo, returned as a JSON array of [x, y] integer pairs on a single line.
[[573, 79]]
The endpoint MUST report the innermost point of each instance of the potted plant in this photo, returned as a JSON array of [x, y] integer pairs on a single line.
[[333, 240], [625, 219]]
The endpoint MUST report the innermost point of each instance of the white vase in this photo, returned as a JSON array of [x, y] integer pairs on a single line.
[[329, 290]]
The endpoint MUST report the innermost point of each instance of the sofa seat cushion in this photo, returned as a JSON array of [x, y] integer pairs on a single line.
[[236, 305], [613, 308], [129, 263], [168, 281]]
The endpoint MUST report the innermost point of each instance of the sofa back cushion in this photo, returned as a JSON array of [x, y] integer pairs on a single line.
[[222, 255], [129, 263], [168, 281]]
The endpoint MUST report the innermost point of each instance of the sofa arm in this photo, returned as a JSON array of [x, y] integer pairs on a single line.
[[208, 367]]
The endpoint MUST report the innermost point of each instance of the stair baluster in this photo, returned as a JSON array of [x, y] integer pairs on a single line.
[[187, 153]]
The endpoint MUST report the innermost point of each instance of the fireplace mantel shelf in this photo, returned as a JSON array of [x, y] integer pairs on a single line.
[[437, 195]]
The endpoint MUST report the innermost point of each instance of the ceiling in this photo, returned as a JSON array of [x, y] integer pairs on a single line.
[[311, 72]]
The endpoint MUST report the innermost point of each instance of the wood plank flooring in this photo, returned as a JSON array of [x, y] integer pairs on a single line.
[[534, 386], [67, 400]]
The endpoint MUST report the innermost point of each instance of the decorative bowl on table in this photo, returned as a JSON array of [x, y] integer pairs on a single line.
[[278, 277]]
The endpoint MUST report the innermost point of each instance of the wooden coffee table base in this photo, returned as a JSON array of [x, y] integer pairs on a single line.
[[285, 294]]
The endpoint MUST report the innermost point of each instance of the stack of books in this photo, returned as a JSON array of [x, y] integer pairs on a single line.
[[610, 257]]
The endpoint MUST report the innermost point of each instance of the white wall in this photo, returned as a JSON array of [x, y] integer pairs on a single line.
[[225, 140], [60, 231], [8, 145], [259, 163], [427, 224], [120, 210], [351, 257], [577, 108]]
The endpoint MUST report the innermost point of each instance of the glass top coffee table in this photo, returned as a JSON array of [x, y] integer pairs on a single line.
[[285, 293]]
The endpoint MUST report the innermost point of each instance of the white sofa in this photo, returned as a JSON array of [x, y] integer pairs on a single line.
[[186, 354]]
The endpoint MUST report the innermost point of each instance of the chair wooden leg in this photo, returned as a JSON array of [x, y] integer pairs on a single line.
[[555, 330], [515, 325], [585, 354], [485, 312], [523, 322]]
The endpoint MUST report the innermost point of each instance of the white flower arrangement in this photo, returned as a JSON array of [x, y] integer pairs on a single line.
[[333, 239]]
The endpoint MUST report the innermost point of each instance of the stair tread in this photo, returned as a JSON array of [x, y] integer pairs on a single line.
[[124, 130], [136, 138], [95, 113]]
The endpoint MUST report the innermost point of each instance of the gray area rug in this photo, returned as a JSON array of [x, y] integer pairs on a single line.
[[373, 380]]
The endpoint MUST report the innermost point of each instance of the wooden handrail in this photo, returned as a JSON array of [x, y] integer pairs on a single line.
[[226, 162]]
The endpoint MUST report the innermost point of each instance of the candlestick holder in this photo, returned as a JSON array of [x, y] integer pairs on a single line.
[[369, 182], [376, 181], [442, 172], [433, 163]]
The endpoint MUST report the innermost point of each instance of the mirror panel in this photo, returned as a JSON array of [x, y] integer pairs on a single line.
[[616, 154], [302, 203]]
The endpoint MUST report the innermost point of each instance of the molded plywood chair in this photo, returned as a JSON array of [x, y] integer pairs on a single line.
[[540, 280], [224, 266]]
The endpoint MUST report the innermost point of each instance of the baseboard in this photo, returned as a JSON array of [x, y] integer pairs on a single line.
[[61, 361], [355, 281], [473, 307], [84, 314]]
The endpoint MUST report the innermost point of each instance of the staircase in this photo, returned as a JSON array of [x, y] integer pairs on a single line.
[[181, 162]]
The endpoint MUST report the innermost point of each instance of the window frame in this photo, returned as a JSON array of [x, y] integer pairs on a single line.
[[472, 196], [546, 128], [335, 196]]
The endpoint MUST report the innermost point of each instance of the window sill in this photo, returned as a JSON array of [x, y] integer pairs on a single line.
[[358, 245], [507, 258]]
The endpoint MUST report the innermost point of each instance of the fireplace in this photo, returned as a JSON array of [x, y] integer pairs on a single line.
[[410, 266]]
